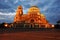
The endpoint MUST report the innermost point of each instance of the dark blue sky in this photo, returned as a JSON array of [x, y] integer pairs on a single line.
[[50, 8]]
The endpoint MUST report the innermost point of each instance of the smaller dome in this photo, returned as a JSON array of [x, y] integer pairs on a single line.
[[43, 15]]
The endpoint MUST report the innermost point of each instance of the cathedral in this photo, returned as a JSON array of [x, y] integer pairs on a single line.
[[33, 18]]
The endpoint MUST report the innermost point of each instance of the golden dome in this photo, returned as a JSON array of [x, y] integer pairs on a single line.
[[43, 15], [34, 9]]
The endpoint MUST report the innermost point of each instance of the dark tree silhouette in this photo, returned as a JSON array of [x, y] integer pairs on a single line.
[[58, 24]]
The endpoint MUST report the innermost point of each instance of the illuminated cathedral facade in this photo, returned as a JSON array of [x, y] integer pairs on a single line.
[[33, 18]]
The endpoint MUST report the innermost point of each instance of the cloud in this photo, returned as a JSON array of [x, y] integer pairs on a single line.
[[2, 6], [7, 14], [2, 18], [6, 0], [6, 17], [16, 1]]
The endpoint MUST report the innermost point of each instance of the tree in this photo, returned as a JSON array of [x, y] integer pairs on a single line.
[[58, 24]]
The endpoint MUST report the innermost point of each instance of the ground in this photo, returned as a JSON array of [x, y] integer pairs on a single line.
[[32, 35]]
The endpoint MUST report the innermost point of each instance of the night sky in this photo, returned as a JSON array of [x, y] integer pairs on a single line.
[[50, 8]]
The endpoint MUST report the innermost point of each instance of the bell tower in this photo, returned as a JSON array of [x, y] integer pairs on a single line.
[[19, 13], [19, 10]]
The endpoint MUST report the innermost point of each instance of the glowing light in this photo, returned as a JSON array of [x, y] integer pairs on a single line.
[[53, 26], [46, 26], [6, 25]]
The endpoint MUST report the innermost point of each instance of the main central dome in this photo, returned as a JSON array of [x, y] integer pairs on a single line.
[[34, 9]]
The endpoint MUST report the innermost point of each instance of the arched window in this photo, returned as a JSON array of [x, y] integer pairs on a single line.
[[32, 20]]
